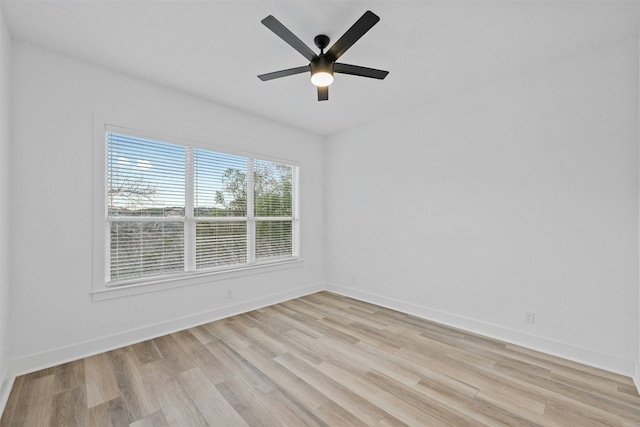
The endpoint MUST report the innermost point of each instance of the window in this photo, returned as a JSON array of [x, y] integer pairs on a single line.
[[174, 209]]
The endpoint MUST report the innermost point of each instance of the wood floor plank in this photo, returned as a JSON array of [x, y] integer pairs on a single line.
[[247, 321], [146, 352], [384, 400], [244, 400], [135, 391], [301, 344], [108, 414], [390, 422], [101, 382], [493, 415], [348, 313], [69, 407], [583, 400], [193, 352], [258, 337], [212, 405], [336, 330], [305, 308], [34, 405], [294, 320], [558, 364], [438, 408], [202, 334], [492, 387], [68, 376], [322, 349], [157, 419], [222, 331], [342, 396], [322, 360], [240, 367], [173, 354], [291, 412], [336, 415], [358, 356], [216, 371], [12, 402], [568, 415], [284, 379], [427, 373], [435, 347], [178, 408]]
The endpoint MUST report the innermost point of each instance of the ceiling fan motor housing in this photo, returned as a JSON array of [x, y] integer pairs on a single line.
[[322, 63]]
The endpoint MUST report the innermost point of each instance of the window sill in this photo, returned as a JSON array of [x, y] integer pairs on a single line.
[[196, 279]]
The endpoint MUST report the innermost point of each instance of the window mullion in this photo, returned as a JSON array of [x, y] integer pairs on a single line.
[[251, 222], [107, 261], [107, 223], [190, 224], [296, 211]]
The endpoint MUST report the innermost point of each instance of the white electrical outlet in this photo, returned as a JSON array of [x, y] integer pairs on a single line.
[[354, 280], [229, 294], [530, 318]]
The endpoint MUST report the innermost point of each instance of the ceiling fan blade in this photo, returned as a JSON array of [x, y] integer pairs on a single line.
[[353, 34], [356, 70], [284, 73], [323, 93], [283, 32]]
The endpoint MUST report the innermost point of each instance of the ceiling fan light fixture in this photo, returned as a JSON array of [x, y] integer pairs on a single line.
[[322, 71], [322, 78]]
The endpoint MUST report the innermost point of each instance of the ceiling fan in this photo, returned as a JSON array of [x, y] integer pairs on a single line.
[[323, 66]]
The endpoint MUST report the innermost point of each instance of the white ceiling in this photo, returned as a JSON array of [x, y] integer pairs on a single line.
[[215, 49]]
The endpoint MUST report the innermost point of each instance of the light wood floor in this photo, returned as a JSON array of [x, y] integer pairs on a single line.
[[322, 360]]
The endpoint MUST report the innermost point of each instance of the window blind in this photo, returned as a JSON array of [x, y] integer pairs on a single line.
[[144, 177], [220, 244], [274, 239], [273, 206], [220, 184], [177, 209], [145, 182], [146, 248], [272, 189]]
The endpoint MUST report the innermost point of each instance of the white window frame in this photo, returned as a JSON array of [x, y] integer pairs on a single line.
[[102, 289]]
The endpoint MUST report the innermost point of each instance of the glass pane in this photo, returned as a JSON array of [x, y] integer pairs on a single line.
[[220, 184], [220, 244], [146, 248], [273, 239], [144, 177], [272, 188]]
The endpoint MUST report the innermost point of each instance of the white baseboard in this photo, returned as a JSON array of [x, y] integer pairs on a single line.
[[566, 351], [80, 350]]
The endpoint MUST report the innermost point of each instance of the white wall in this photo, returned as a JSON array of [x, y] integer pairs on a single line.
[[5, 54], [52, 315], [521, 196]]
